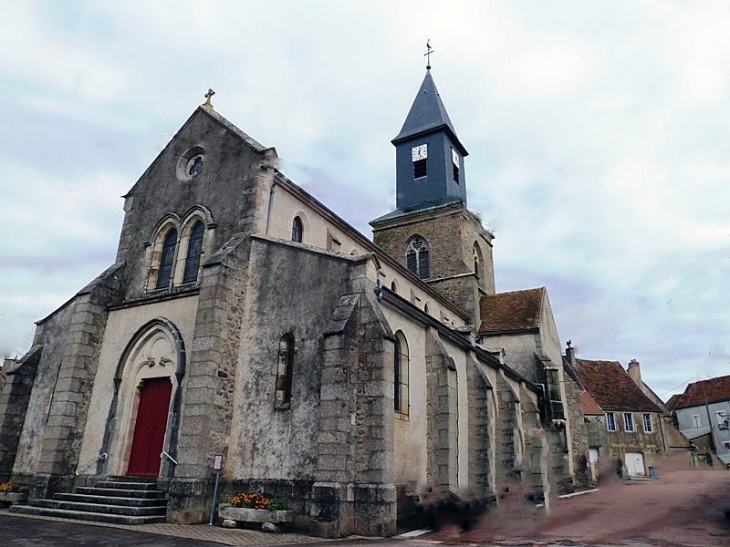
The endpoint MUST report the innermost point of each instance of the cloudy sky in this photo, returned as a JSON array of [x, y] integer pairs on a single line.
[[598, 133]]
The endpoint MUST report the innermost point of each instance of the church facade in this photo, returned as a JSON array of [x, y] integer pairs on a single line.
[[342, 375]]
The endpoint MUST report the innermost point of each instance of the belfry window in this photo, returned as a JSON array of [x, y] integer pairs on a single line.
[[400, 374], [417, 257], [297, 230], [285, 372], [419, 156], [455, 163], [167, 260], [195, 250]]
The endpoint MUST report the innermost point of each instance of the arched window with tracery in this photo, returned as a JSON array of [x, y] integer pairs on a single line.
[[478, 265], [297, 230], [194, 252], [285, 372], [417, 257], [167, 260], [400, 377]]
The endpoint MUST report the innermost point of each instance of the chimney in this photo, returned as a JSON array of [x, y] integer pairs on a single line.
[[570, 353], [635, 372]]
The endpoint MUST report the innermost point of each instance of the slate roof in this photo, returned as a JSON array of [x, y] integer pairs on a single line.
[[511, 311], [714, 390], [611, 386], [427, 114]]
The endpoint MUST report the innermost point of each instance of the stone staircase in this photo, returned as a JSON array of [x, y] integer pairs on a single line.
[[118, 500]]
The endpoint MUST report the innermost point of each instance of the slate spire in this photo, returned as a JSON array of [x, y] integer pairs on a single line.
[[427, 114]]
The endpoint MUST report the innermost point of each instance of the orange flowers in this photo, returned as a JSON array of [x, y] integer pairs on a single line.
[[10, 487], [254, 500]]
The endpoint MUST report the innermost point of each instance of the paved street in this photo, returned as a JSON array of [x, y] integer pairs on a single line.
[[17, 531]]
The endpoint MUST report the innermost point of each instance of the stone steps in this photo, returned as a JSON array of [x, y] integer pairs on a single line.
[[83, 515], [118, 500], [131, 502]]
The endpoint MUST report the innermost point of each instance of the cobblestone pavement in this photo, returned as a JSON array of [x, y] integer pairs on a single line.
[[210, 535]]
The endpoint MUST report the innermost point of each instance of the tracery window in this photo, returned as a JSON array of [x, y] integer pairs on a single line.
[[167, 259], [194, 252], [400, 377], [417, 257]]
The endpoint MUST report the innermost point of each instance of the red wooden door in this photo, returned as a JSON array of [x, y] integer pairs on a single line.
[[149, 430]]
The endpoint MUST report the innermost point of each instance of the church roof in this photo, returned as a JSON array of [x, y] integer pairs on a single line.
[[611, 386], [713, 390], [428, 114], [511, 311], [590, 407]]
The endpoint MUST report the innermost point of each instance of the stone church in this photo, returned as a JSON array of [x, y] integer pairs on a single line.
[[345, 376]]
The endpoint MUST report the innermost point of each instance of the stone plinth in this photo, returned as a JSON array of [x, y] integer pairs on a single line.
[[255, 516]]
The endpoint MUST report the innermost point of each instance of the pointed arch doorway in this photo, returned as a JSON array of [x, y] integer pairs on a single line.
[[150, 427], [144, 416]]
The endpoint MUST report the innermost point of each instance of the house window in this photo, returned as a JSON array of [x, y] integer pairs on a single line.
[[400, 377], [628, 422], [285, 372], [722, 420], [648, 426], [297, 230], [611, 421], [195, 250], [696, 420], [417, 257], [167, 260]]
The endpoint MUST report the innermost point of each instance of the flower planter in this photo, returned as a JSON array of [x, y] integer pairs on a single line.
[[255, 516], [11, 498]]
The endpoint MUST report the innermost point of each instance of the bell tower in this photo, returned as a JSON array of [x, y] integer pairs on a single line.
[[431, 231], [429, 158]]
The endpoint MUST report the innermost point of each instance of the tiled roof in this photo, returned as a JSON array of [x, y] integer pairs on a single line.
[[590, 407], [713, 390], [511, 311], [672, 401], [611, 386]]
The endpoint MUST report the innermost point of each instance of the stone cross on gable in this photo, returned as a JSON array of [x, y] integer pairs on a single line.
[[208, 97]]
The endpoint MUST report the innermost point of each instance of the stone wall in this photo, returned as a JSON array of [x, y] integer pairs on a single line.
[[451, 233], [481, 432], [14, 399]]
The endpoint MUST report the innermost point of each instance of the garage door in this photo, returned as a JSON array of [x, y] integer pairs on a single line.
[[635, 464]]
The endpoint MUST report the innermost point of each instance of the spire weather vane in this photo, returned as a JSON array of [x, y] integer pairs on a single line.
[[429, 51]]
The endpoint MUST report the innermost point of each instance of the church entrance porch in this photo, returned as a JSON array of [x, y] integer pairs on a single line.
[[150, 427]]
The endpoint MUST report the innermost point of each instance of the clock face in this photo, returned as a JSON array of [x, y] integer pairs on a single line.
[[419, 152], [455, 157]]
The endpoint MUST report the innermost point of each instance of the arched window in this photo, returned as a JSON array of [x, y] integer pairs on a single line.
[[400, 377], [167, 260], [417, 257], [297, 230], [195, 250], [394, 286], [478, 265], [285, 372]]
